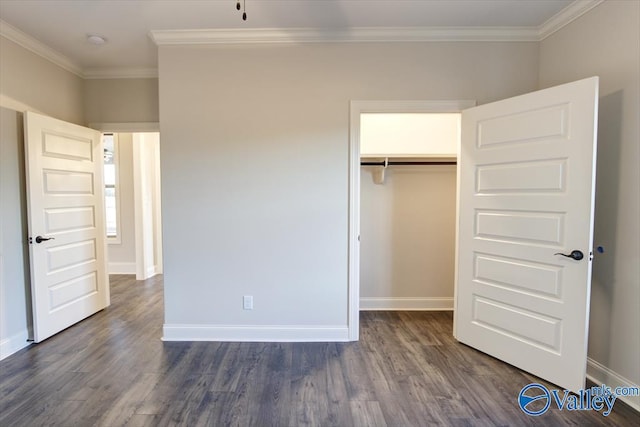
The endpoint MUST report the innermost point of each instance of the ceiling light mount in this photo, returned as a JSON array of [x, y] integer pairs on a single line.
[[96, 39]]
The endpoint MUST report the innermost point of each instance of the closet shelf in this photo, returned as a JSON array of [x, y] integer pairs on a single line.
[[385, 161], [380, 163]]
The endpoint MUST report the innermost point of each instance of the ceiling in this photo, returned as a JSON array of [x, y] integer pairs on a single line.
[[58, 29]]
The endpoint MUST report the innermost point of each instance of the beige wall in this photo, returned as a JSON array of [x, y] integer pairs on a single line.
[[15, 301], [407, 243], [606, 42], [28, 81], [122, 256], [121, 100], [255, 164]]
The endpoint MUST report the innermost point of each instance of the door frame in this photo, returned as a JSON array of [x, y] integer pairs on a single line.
[[357, 108], [136, 127], [146, 265]]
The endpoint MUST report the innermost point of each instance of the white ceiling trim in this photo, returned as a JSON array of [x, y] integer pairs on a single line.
[[120, 73], [26, 41], [305, 35], [126, 127], [565, 16], [347, 35], [375, 34]]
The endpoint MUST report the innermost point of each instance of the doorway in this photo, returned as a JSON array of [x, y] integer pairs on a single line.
[[408, 210], [358, 110], [133, 199], [522, 279]]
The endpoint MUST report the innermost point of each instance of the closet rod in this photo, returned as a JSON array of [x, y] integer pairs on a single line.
[[406, 163]]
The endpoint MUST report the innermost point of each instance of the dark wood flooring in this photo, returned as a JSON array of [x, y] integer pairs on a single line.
[[406, 370]]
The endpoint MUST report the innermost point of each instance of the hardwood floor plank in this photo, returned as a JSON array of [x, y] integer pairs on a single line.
[[272, 399], [227, 372], [112, 369], [139, 420], [367, 413], [126, 405], [359, 385], [309, 404]]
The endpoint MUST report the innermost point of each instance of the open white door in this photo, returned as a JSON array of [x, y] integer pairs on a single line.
[[67, 236], [526, 194]]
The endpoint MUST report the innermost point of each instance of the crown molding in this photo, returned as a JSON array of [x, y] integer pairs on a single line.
[[39, 48], [126, 127], [567, 15], [26, 41], [306, 35], [375, 34], [345, 35], [120, 73]]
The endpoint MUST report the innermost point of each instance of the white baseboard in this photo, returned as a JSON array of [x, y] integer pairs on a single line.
[[253, 333], [122, 268], [151, 271], [394, 304], [156, 269], [13, 344], [600, 374]]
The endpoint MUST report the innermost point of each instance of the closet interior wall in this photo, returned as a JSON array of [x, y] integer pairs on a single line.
[[407, 244]]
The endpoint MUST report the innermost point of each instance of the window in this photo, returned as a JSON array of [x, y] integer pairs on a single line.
[[111, 193]]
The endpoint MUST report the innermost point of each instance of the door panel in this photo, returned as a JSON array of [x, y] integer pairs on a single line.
[[66, 205], [526, 192]]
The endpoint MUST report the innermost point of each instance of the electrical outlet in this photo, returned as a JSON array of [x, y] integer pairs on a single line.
[[247, 302]]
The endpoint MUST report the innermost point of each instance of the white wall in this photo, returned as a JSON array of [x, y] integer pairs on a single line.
[[255, 170], [122, 256], [409, 134], [121, 100], [146, 183], [15, 302], [26, 82], [606, 42], [407, 243]]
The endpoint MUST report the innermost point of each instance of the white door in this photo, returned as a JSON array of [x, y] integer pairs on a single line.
[[526, 193], [67, 236]]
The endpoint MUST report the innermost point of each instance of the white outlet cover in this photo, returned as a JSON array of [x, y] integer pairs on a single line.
[[247, 302]]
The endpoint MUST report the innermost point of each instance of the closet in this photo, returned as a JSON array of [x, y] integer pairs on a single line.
[[408, 210]]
